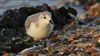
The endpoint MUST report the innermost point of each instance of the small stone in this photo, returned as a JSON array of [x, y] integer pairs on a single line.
[[42, 55], [6, 54], [99, 40], [95, 54], [71, 54], [90, 50], [80, 54]]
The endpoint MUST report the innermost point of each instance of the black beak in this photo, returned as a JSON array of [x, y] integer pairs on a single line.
[[52, 22]]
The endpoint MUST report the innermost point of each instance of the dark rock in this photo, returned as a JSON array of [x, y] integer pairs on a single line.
[[16, 18], [8, 18], [13, 40], [72, 10], [44, 7], [61, 17]]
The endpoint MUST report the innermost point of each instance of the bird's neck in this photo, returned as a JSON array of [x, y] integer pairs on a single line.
[[43, 25]]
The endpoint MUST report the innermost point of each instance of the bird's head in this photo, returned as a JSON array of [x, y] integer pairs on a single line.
[[45, 18]]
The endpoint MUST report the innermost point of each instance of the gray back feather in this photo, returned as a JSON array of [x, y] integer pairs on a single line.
[[32, 18]]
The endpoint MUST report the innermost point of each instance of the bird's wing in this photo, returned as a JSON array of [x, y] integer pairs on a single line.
[[31, 19]]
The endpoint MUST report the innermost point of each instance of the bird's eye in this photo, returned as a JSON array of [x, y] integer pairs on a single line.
[[44, 17]]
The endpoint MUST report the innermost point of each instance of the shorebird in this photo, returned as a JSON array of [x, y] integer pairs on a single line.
[[39, 25]]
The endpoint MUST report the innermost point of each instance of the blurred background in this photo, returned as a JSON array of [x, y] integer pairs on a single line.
[[12, 4], [78, 4]]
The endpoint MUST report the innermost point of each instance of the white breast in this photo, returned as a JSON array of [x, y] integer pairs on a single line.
[[41, 32]]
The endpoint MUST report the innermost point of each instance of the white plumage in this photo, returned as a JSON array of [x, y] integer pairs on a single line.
[[39, 25]]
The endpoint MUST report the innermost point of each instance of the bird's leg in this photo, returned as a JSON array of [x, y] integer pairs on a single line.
[[45, 42], [38, 45]]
